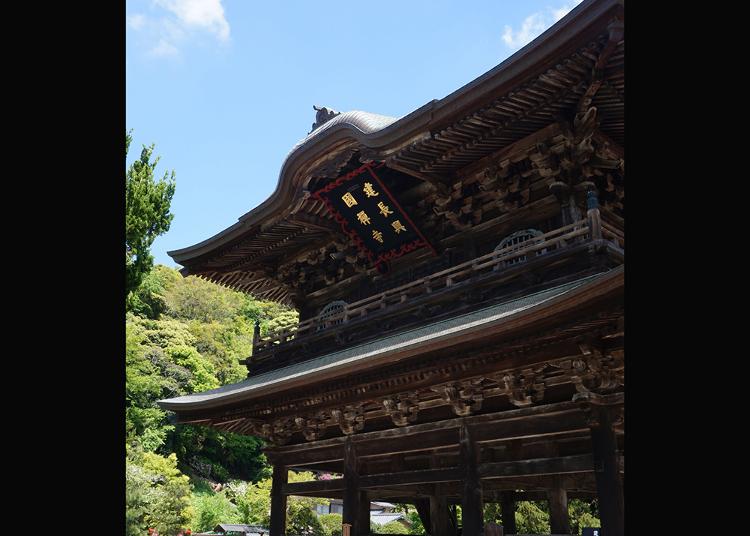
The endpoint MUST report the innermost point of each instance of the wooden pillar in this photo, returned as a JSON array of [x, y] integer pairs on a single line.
[[453, 517], [508, 511], [278, 500], [256, 333], [575, 212], [422, 506], [439, 520], [363, 519], [558, 509], [593, 215], [351, 514], [471, 502], [608, 486]]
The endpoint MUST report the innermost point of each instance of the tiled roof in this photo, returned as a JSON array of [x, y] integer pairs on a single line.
[[365, 122]]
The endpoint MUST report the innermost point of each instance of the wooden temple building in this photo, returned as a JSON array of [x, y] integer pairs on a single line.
[[459, 278]]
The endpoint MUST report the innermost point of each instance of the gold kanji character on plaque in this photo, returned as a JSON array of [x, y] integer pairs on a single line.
[[377, 235], [385, 210], [398, 226], [369, 191], [348, 198], [363, 218]]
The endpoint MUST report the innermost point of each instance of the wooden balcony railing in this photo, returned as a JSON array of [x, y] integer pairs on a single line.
[[613, 234], [495, 261]]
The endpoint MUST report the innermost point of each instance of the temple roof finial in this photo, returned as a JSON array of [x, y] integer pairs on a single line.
[[323, 115]]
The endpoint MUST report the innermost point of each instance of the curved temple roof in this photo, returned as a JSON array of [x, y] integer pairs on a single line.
[[387, 133]]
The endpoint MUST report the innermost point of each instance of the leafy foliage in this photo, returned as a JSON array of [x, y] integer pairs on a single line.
[[185, 335], [531, 518], [157, 493], [147, 203], [392, 527], [582, 514], [332, 524], [212, 509]]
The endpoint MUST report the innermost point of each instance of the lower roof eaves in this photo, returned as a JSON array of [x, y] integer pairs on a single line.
[[364, 354]]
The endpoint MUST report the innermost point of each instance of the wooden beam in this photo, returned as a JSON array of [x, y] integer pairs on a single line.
[[315, 488], [489, 471], [442, 185], [539, 466], [425, 476], [534, 421]]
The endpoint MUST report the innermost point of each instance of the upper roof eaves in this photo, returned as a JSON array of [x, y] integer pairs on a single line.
[[374, 130]]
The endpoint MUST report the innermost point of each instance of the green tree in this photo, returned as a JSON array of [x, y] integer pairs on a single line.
[[147, 203], [582, 514], [255, 507], [149, 299], [212, 509], [301, 519], [531, 518], [332, 524], [136, 488], [158, 492], [392, 527]]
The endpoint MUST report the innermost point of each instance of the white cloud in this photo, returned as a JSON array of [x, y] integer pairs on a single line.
[[205, 15], [176, 22], [535, 24], [164, 49], [136, 21]]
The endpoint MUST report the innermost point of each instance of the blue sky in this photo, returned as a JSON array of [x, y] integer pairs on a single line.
[[225, 88]]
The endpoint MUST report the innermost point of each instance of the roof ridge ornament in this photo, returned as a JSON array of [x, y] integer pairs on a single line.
[[324, 114]]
